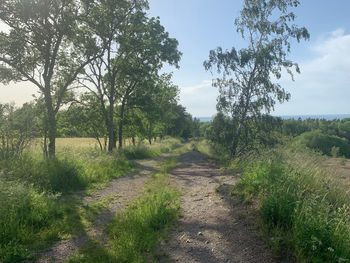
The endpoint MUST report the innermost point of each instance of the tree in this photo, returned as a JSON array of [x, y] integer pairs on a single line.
[[156, 102], [136, 48], [47, 44], [248, 84]]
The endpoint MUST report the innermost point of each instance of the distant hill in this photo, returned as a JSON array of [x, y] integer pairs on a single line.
[[205, 119], [295, 117]]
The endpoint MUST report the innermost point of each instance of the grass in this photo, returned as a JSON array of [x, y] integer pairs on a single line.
[[36, 205], [303, 209], [134, 234], [211, 151]]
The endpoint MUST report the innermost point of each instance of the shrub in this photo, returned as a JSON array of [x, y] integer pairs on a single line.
[[138, 152], [324, 143]]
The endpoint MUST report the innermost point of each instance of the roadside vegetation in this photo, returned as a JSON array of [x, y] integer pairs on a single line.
[[303, 207]]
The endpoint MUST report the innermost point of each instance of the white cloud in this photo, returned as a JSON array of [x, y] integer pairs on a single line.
[[199, 99], [323, 87]]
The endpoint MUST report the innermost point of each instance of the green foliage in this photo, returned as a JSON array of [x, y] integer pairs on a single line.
[[65, 175], [26, 219], [142, 151], [260, 133], [303, 210], [50, 55], [326, 144]]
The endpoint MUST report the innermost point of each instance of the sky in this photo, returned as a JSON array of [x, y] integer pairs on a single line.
[[323, 87]]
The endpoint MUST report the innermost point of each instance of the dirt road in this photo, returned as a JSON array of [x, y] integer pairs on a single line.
[[213, 227]]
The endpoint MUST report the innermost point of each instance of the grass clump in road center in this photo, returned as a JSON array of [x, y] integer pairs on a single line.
[[302, 208], [134, 234]]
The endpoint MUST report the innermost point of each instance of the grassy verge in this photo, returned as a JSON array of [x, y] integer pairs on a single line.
[[134, 234], [303, 209], [36, 205]]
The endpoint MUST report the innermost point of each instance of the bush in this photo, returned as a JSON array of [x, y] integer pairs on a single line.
[[324, 143], [300, 206], [138, 152]]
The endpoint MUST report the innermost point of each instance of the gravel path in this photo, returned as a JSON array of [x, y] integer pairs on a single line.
[[125, 190], [213, 227]]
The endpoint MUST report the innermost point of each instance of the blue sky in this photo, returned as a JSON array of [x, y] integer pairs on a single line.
[[201, 25]]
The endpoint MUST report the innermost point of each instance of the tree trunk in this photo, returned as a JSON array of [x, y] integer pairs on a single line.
[[110, 126], [99, 143], [121, 125], [120, 134], [51, 132], [235, 139], [51, 123], [46, 155], [133, 140]]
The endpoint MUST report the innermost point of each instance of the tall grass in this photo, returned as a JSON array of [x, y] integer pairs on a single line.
[[23, 213], [302, 208], [67, 174]]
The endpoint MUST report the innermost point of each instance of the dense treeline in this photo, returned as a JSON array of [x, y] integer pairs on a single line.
[[330, 137]]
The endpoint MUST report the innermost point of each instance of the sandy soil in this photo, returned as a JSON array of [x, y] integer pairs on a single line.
[[213, 227]]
